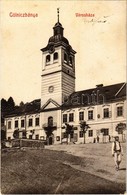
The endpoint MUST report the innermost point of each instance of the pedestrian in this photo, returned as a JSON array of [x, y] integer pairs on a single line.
[[117, 151], [94, 140], [109, 138], [97, 139]]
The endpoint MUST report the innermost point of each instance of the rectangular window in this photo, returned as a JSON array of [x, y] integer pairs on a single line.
[[37, 137], [9, 124], [23, 123], [64, 118], [37, 121], [30, 122], [57, 138], [90, 114], [80, 133], [90, 133], [105, 132], [24, 134], [120, 111], [81, 116], [71, 117], [106, 112], [16, 124]]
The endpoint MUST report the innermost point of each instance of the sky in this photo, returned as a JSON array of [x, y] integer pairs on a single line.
[[100, 46]]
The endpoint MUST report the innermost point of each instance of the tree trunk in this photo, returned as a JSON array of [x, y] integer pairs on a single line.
[[84, 137], [47, 140], [70, 137], [67, 138], [122, 136]]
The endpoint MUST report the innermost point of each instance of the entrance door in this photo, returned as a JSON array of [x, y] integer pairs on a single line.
[[75, 137], [50, 141]]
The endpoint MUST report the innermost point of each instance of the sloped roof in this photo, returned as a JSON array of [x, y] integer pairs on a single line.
[[99, 95], [54, 104], [122, 91]]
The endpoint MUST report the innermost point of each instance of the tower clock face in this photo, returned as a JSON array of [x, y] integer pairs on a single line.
[[51, 89]]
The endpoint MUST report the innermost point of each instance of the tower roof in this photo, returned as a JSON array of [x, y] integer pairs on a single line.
[[58, 38], [58, 24]]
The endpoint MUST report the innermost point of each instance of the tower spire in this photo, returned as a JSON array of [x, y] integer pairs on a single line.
[[58, 13]]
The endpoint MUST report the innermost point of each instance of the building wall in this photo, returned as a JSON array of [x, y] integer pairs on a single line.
[[52, 65], [68, 85], [55, 81], [98, 122], [58, 74], [56, 114], [51, 76], [26, 118]]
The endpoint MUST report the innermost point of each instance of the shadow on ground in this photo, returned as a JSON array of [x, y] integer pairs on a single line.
[[44, 172]]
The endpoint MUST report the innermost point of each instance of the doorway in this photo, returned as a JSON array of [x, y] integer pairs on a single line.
[[50, 140]]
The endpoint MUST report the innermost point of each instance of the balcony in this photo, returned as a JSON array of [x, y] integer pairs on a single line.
[[52, 125]]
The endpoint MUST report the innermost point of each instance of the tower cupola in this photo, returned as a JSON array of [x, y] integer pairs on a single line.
[[58, 29], [58, 36]]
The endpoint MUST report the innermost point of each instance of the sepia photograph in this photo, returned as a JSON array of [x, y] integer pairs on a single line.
[[63, 97]]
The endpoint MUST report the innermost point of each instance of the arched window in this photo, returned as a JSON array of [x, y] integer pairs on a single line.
[[65, 57], [50, 121], [55, 57], [70, 60], [47, 58]]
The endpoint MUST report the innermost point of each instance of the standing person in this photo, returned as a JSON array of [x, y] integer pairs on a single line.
[[109, 138], [94, 140], [117, 151], [97, 139]]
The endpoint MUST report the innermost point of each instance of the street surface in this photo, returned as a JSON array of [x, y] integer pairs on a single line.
[[62, 169], [98, 158]]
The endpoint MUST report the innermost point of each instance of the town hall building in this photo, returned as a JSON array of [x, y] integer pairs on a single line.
[[103, 107]]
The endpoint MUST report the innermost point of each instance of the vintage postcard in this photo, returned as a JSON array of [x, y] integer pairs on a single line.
[[63, 97]]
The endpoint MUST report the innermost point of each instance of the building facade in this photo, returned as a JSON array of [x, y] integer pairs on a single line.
[[103, 107]]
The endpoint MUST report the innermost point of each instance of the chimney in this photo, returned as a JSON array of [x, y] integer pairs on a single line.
[[100, 85]]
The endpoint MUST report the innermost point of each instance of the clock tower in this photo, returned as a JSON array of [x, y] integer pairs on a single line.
[[58, 68]]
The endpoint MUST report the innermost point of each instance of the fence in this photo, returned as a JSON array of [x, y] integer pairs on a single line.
[[27, 143]]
